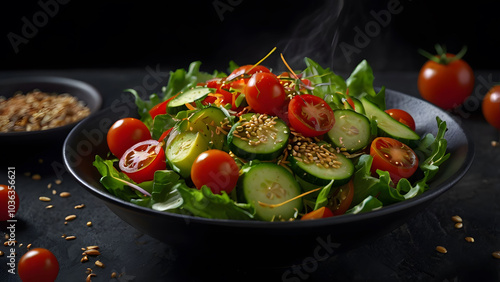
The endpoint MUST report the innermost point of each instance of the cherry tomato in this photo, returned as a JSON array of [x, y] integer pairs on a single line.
[[491, 106], [161, 108], [124, 133], [342, 199], [9, 203], [322, 212], [447, 85], [215, 169], [403, 117], [246, 71], [310, 115], [393, 156], [141, 160], [38, 265], [264, 93], [221, 96]]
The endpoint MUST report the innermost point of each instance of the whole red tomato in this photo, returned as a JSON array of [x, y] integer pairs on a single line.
[[124, 133], [264, 93], [491, 106], [216, 169], [446, 80], [38, 265]]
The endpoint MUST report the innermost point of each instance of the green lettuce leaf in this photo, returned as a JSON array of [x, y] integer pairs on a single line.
[[206, 204], [360, 84]]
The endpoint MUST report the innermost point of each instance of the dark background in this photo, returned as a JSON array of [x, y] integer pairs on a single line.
[[124, 34]]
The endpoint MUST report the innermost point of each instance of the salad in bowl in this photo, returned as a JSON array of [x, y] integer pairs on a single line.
[[258, 145]]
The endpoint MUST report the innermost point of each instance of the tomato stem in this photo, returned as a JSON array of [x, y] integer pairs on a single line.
[[441, 57]]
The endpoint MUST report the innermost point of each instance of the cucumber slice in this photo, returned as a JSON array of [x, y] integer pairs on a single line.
[[269, 141], [192, 95], [319, 175], [270, 183], [351, 130], [387, 125], [206, 122], [183, 150]]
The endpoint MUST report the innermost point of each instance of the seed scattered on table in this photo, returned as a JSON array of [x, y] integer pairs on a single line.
[[49, 206], [89, 277], [84, 259], [114, 274], [99, 264], [36, 177], [89, 223], [54, 192], [29, 246], [91, 252], [70, 217], [1, 253], [49, 185], [441, 249], [469, 239], [44, 199], [65, 194], [68, 238], [459, 225], [456, 218], [496, 254], [58, 181], [494, 143], [79, 206]]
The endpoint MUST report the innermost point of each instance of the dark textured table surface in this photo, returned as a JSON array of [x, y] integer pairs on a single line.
[[405, 254]]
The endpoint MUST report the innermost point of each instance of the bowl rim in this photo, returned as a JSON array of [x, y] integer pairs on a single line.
[[331, 221], [95, 96]]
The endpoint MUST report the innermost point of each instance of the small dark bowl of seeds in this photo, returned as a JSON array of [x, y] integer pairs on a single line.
[[43, 109]]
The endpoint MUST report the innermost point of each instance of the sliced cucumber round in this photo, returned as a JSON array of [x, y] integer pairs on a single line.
[[178, 103], [351, 130], [184, 149], [267, 184], [318, 174], [206, 121], [387, 125], [260, 137]]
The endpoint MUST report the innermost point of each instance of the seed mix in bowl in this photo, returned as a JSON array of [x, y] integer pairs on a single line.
[[37, 110]]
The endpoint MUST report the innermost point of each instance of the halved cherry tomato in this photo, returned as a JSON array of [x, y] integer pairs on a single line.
[[264, 93], [393, 156], [161, 108], [9, 203], [403, 117], [124, 133], [342, 199], [38, 265], [215, 169], [141, 160], [322, 212], [446, 80], [310, 115], [491, 106]]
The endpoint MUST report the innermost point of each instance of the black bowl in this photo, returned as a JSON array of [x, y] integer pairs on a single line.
[[50, 84], [274, 241]]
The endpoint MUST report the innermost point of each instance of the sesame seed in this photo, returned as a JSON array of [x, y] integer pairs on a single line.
[[469, 239], [459, 225], [44, 199], [70, 217], [36, 177], [99, 264], [68, 238], [456, 218], [496, 254]]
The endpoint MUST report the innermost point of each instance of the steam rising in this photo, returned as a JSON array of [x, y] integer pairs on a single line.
[[316, 36]]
